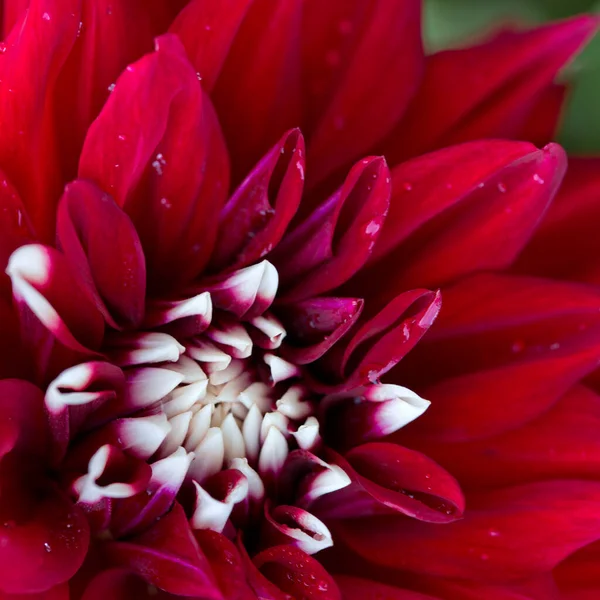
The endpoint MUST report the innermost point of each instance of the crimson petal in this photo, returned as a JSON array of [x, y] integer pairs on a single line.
[[518, 67], [355, 588], [362, 63], [101, 243]]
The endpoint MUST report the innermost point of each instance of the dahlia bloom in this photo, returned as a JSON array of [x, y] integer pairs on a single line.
[[212, 336]]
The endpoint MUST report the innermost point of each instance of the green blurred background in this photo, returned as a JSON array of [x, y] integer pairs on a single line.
[[454, 22]]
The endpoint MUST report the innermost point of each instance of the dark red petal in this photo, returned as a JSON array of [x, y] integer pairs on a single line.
[[43, 538], [168, 557], [39, 43], [578, 576], [541, 126], [255, 218], [501, 81], [355, 588], [388, 479], [226, 564], [566, 244], [166, 165], [12, 10], [361, 64], [506, 349], [207, 30], [336, 240], [296, 573], [561, 443], [121, 584], [23, 427], [263, 68], [463, 209], [382, 341], [314, 326], [106, 44], [508, 534], [102, 245]]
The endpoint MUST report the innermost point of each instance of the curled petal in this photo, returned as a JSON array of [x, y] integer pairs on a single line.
[[255, 218], [370, 412], [296, 573], [135, 349], [75, 394], [296, 527], [122, 476], [102, 245], [247, 292], [167, 556], [40, 276], [336, 240], [381, 342], [390, 478], [181, 318]]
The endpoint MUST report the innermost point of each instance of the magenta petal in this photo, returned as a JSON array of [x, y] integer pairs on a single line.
[[28, 154], [255, 218], [44, 539], [168, 557], [207, 30], [101, 243], [336, 240], [226, 564], [508, 534], [354, 588], [120, 584], [263, 68], [11, 12], [296, 573], [362, 63]]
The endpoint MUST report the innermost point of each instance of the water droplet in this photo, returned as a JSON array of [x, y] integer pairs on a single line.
[[165, 202], [407, 186], [207, 28], [198, 76], [79, 28], [554, 346], [480, 185], [538, 179], [300, 169], [121, 137], [47, 547], [2, 47], [494, 533], [46, 16], [111, 87], [501, 188]]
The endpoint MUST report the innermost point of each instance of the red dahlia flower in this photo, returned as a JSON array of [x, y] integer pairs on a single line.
[[206, 316]]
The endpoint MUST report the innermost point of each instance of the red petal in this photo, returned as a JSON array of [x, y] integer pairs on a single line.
[[501, 81], [362, 63], [154, 163], [226, 564], [44, 538], [382, 341], [508, 534], [106, 44], [463, 209], [336, 240], [296, 573], [12, 11], [388, 479], [263, 68], [255, 218], [121, 584], [577, 577], [541, 126], [168, 557], [101, 243], [39, 43], [354, 588], [566, 244], [207, 30], [561, 443], [506, 349]]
